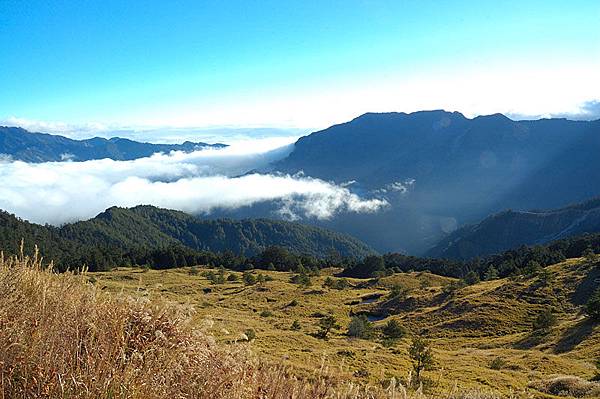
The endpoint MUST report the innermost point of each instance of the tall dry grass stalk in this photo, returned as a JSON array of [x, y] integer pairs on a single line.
[[60, 337]]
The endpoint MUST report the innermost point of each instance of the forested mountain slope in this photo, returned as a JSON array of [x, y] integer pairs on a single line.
[[511, 229]]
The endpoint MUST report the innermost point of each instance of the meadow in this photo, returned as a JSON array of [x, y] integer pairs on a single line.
[[481, 335]]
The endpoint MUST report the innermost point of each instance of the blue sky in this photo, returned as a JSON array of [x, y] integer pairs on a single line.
[[291, 63]]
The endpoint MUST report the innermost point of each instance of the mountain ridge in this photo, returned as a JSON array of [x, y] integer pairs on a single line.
[[23, 145], [120, 230], [463, 169], [510, 229]]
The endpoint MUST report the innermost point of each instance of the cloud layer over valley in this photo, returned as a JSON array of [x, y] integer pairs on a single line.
[[198, 182]]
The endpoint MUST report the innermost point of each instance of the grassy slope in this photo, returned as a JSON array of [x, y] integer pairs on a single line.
[[468, 329]]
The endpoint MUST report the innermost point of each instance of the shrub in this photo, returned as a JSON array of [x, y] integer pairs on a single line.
[[296, 325], [302, 279], [544, 321], [328, 282], [360, 327], [568, 386], [266, 313], [250, 333], [593, 307], [248, 278], [193, 271], [398, 291], [450, 289], [233, 278], [393, 330], [497, 363]]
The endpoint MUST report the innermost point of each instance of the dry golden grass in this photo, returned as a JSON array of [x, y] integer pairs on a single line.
[[61, 337]]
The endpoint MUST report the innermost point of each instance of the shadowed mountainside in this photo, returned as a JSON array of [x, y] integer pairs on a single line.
[[440, 170], [511, 229]]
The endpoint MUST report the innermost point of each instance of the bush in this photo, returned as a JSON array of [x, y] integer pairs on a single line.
[[593, 307], [450, 289], [296, 325], [250, 333], [393, 330], [248, 278], [398, 291], [498, 363], [568, 386], [233, 278], [266, 313], [360, 327], [544, 321], [341, 284], [302, 279]]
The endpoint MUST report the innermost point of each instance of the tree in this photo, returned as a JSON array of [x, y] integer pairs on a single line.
[[590, 256], [471, 278], [491, 274], [421, 356], [393, 330], [593, 306], [326, 324], [360, 327], [544, 321]]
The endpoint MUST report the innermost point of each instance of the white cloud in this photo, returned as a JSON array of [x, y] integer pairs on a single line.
[[198, 182]]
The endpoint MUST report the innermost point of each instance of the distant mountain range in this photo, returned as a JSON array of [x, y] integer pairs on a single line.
[[150, 227], [23, 145], [441, 170], [511, 229]]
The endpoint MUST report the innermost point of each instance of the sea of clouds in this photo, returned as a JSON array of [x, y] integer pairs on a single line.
[[197, 182]]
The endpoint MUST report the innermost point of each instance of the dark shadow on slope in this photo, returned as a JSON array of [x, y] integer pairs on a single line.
[[586, 288], [531, 340], [574, 336]]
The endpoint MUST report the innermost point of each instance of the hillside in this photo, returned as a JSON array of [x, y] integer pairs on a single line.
[[120, 230], [511, 229], [441, 170], [481, 335], [23, 145]]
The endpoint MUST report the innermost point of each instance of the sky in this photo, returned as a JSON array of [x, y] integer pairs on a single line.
[[152, 65]]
